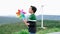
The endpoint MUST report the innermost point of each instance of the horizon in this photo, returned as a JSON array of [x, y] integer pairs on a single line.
[[27, 15], [46, 17]]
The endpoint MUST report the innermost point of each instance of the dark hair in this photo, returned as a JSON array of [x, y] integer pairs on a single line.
[[33, 8]]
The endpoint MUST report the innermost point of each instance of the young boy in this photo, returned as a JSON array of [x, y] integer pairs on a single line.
[[31, 22]]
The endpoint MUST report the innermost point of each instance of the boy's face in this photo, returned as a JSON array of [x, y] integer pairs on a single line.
[[30, 10]]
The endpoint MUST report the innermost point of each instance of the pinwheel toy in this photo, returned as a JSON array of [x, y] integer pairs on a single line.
[[21, 14]]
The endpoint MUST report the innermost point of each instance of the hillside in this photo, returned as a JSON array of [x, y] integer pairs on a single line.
[[12, 19], [49, 17], [6, 20]]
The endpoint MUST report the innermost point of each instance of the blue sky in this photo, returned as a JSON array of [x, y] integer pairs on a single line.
[[10, 7]]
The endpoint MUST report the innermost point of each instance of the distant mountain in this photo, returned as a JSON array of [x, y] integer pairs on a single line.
[[8, 19], [49, 17]]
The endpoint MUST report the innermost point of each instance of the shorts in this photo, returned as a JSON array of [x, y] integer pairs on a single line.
[[32, 33]]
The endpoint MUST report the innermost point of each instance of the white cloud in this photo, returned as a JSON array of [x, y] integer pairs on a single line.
[[9, 7], [52, 7]]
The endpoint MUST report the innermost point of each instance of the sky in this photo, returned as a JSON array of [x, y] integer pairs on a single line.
[[10, 7]]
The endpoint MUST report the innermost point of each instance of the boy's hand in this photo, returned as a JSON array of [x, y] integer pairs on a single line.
[[27, 24], [25, 21]]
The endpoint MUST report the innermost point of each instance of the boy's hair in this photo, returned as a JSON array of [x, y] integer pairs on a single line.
[[33, 8]]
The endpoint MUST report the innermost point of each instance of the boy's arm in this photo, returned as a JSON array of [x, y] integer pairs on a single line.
[[25, 21]]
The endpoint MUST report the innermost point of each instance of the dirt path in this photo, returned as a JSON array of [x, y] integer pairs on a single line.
[[54, 33]]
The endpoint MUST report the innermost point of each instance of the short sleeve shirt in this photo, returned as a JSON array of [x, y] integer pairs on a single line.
[[32, 17]]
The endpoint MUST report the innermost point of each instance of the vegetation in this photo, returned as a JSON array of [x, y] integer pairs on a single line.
[[20, 27]]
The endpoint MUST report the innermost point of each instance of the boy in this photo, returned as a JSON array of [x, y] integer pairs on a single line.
[[31, 22]]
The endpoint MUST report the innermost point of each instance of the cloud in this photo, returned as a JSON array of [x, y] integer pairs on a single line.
[[9, 7]]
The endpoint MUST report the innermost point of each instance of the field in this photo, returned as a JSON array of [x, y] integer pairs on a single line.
[[20, 27]]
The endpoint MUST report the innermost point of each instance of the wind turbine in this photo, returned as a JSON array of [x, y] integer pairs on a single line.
[[42, 15]]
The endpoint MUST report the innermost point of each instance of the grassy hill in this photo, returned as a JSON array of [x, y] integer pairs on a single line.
[[20, 27]]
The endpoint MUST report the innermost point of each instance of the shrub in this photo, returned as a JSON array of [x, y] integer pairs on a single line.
[[22, 32]]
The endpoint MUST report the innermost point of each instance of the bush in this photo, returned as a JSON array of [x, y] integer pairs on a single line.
[[22, 32]]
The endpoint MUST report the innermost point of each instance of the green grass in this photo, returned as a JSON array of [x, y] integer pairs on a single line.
[[20, 28], [49, 30]]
